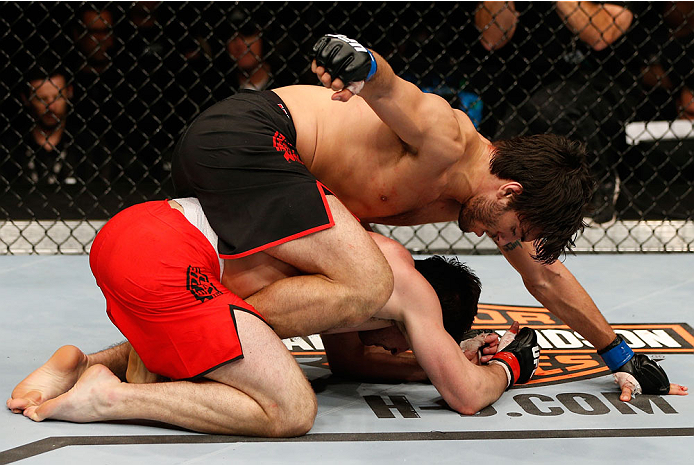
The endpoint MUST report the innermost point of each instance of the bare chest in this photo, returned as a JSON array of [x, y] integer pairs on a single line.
[[390, 194]]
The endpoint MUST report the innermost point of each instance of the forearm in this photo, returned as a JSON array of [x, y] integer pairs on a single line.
[[397, 102], [562, 295], [348, 357], [425, 122], [481, 386], [598, 25], [380, 365], [497, 23], [382, 83], [559, 291]]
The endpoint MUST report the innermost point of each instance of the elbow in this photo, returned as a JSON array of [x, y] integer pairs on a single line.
[[539, 287], [470, 401], [599, 41], [541, 282], [621, 20], [470, 410], [498, 39], [469, 407], [493, 44]]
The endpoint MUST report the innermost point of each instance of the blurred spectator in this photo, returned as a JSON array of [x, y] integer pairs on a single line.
[[93, 36], [421, 60], [243, 59], [572, 67], [668, 73], [247, 51], [98, 83], [45, 147]]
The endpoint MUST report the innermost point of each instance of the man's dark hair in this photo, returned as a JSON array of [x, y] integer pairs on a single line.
[[557, 186], [45, 66], [458, 289]]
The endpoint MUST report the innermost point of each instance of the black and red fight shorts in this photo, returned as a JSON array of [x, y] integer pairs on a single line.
[[160, 277], [239, 159]]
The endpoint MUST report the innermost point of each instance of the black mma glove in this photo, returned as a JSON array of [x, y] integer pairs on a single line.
[[641, 372], [520, 357], [344, 58]]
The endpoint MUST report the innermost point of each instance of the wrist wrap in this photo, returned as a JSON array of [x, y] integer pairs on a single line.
[[373, 68], [616, 354]]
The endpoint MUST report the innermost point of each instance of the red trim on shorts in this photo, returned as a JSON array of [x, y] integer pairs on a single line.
[[330, 224]]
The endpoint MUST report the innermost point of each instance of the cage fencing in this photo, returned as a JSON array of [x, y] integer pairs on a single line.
[[95, 96]]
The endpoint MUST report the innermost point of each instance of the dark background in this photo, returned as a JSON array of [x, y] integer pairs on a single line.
[[166, 62]]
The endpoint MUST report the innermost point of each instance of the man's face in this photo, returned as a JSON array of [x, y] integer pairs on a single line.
[[97, 38], [48, 100], [481, 215], [389, 338]]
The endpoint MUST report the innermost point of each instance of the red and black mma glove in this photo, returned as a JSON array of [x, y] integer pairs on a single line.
[[520, 357], [346, 59], [645, 374]]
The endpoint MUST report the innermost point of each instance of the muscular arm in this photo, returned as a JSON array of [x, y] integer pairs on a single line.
[[497, 23], [467, 388], [559, 291], [348, 356], [598, 25], [425, 122]]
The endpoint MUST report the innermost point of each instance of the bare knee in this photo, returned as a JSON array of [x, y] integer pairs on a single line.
[[295, 416]]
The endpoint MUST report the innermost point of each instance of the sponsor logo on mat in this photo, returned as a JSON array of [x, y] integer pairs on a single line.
[[566, 356]]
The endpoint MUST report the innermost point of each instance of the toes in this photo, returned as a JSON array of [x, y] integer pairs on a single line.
[[30, 412]]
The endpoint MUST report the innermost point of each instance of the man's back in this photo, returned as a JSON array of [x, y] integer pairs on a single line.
[[373, 171]]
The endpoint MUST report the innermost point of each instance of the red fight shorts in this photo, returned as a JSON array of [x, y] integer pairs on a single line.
[[160, 277]]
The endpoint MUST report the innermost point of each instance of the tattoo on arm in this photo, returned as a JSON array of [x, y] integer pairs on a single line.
[[512, 245]]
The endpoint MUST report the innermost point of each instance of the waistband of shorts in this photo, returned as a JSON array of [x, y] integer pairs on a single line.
[[278, 108], [277, 103]]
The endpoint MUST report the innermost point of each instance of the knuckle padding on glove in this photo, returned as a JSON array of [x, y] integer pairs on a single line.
[[620, 358], [521, 356], [649, 374], [341, 60]]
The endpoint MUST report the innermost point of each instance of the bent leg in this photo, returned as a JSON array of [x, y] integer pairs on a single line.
[[61, 372], [263, 394], [346, 279], [138, 373]]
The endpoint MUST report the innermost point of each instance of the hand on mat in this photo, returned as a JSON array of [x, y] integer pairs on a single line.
[[641, 374], [628, 388]]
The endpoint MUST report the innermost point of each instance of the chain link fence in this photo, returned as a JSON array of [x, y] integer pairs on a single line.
[[95, 96]]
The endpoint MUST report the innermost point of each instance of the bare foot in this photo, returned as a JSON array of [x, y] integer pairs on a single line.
[[88, 400], [52, 379]]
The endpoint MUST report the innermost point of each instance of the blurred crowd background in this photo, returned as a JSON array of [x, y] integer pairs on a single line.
[[94, 95]]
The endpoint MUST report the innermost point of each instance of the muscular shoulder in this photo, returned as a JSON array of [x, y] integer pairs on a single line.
[[448, 130], [396, 254]]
